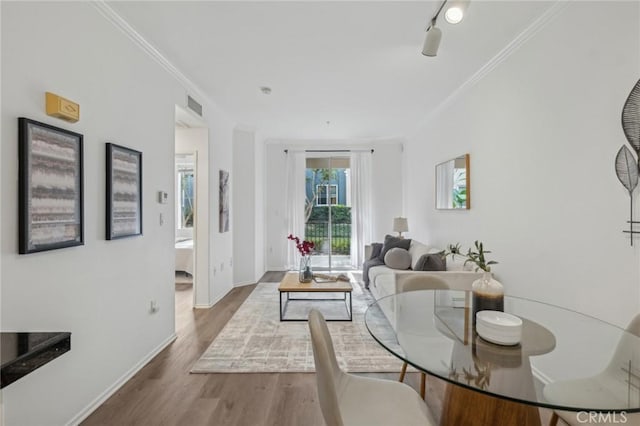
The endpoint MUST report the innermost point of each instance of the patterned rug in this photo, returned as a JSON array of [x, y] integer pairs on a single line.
[[256, 341]]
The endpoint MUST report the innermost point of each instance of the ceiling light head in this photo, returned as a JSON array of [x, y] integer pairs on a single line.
[[455, 10], [266, 90], [454, 15], [432, 41]]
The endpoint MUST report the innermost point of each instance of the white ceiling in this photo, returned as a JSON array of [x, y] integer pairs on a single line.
[[356, 65]]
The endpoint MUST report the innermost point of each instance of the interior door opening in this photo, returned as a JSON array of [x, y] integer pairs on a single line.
[[192, 205], [185, 215]]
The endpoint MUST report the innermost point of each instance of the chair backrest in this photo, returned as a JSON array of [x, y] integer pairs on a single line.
[[634, 326], [328, 373], [626, 358], [410, 282]]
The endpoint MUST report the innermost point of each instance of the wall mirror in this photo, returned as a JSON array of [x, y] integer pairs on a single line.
[[453, 184]]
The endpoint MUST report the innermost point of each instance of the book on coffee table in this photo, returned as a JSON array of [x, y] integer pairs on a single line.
[[325, 278]]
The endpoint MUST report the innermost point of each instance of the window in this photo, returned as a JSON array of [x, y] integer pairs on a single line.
[[326, 194], [333, 196], [185, 182]]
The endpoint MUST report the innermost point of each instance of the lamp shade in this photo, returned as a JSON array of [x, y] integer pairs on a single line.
[[400, 224], [432, 41]]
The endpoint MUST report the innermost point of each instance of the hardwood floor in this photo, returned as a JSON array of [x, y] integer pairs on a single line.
[[165, 393]]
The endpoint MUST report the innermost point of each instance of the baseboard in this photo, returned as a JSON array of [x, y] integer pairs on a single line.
[[279, 268], [210, 305], [244, 283], [93, 405]]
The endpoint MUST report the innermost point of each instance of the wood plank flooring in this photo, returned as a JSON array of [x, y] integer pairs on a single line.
[[165, 393]]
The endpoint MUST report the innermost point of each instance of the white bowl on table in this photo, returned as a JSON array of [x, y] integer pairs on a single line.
[[499, 327]]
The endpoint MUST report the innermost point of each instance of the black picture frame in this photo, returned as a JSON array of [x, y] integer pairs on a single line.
[[50, 187], [123, 192]]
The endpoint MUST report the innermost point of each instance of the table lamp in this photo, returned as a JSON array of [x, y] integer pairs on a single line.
[[400, 225]]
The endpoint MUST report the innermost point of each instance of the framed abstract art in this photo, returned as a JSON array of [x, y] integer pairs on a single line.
[[50, 187], [124, 192]]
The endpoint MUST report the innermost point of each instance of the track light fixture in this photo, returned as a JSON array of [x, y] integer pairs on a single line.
[[455, 10], [453, 13], [432, 41]]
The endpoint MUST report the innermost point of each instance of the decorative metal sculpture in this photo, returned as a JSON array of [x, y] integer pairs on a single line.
[[631, 118], [627, 171], [627, 167]]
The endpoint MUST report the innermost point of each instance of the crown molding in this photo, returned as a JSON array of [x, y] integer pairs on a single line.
[[534, 28], [120, 23]]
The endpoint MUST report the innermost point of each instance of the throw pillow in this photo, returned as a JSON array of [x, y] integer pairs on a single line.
[[391, 242], [376, 249], [432, 262], [397, 258], [416, 250]]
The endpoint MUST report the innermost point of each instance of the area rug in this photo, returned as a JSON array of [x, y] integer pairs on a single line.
[[255, 340]]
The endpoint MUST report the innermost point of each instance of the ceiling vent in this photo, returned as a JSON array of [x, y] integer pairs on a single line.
[[194, 106]]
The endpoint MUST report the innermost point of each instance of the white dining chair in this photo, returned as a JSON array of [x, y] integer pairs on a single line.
[[620, 377], [414, 283], [347, 399]]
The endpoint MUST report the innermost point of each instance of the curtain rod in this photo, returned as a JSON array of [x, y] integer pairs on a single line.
[[286, 151]]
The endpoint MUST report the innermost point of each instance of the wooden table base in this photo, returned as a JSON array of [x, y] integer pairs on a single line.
[[471, 408]]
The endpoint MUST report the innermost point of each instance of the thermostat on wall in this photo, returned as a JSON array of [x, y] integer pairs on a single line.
[[162, 197]]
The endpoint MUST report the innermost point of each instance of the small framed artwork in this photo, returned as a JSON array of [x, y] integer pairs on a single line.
[[223, 205], [124, 192], [50, 178]]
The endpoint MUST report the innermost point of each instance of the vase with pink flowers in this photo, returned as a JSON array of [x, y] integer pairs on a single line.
[[305, 248]]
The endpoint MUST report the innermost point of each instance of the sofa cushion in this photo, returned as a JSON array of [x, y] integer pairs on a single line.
[[383, 281], [417, 250], [432, 262], [365, 269], [391, 242], [397, 258]]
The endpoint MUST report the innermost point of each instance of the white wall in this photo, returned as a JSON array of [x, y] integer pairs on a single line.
[[387, 191], [100, 291], [260, 212], [244, 207], [543, 130], [221, 244], [275, 212], [387, 195]]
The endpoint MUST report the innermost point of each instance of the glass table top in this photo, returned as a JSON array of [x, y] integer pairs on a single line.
[[565, 360]]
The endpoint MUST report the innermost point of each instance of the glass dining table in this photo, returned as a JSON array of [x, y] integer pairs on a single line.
[[564, 361]]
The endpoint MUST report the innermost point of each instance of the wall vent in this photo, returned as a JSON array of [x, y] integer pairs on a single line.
[[194, 106]]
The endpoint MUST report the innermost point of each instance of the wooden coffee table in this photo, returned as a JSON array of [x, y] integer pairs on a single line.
[[290, 284]]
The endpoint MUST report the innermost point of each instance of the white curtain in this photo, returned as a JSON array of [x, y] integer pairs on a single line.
[[295, 198], [360, 206], [444, 185]]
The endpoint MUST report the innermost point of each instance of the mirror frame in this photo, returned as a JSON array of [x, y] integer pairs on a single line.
[[467, 178]]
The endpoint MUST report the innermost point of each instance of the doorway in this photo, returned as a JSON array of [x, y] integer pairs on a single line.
[[185, 174], [328, 211], [192, 204]]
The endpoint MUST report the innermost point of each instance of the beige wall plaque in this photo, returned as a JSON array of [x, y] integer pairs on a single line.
[[62, 108]]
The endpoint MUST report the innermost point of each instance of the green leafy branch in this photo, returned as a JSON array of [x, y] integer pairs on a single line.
[[476, 256]]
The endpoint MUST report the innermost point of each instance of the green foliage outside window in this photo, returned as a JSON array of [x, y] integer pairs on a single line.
[[459, 188], [339, 214], [186, 199]]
